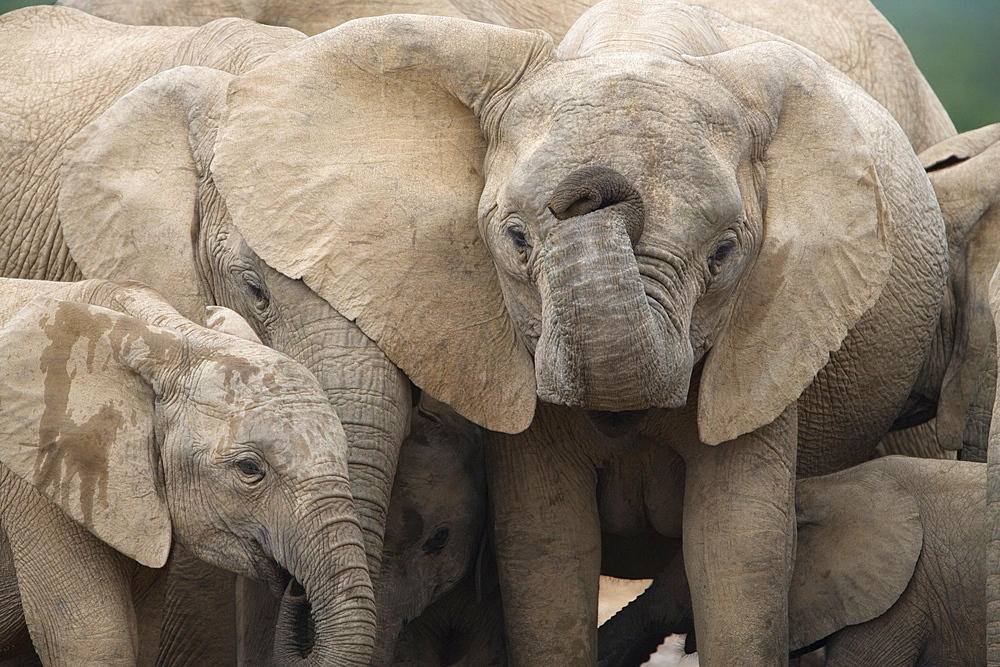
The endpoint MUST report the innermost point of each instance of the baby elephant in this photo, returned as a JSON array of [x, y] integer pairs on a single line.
[[889, 569], [124, 428]]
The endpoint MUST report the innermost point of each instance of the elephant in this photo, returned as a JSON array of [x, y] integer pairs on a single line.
[[851, 34], [889, 570], [136, 184], [957, 380], [597, 238], [125, 429]]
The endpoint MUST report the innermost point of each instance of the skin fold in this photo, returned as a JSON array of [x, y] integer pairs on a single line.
[[888, 570], [683, 386], [126, 428]]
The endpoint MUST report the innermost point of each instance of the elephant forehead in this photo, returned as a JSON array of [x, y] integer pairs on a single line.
[[667, 140]]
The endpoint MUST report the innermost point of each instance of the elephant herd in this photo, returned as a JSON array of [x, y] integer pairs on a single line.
[[375, 332]]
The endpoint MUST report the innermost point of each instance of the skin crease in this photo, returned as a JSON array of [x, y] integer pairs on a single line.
[[368, 391], [234, 426], [692, 163], [903, 539]]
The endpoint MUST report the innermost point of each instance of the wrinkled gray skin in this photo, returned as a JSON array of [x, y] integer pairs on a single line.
[[851, 34], [437, 513], [246, 467], [97, 63], [956, 383], [993, 502], [888, 571]]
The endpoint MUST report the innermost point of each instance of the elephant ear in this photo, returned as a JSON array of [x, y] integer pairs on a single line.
[[354, 161], [229, 321], [824, 256], [132, 184], [859, 538], [76, 418], [965, 173]]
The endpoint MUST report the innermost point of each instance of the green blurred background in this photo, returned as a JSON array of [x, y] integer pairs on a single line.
[[955, 42]]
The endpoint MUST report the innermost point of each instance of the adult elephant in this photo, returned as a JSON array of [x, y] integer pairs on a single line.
[[137, 200], [851, 34], [720, 262]]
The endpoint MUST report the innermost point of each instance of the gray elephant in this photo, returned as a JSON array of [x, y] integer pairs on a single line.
[[126, 428], [957, 380], [139, 202], [841, 31], [659, 197], [889, 570]]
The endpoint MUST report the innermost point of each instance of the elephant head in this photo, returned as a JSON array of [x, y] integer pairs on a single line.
[[587, 224], [138, 200], [437, 513], [146, 428]]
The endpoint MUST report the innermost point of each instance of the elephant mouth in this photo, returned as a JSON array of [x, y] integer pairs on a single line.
[[617, 424], [302, 631]]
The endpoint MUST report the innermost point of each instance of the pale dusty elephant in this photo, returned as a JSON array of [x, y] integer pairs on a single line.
[[957, 380], [137, 199], [721, 249], [126, 428], [889, 570], [851, 34]]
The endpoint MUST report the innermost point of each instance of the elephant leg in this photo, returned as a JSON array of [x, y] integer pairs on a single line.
[[739, 541], [631, 635], [256, 619], [75, 591], [542, 489], [199, 613]]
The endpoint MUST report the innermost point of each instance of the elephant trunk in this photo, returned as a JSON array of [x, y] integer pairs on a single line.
[[327, 613], [605, 345], [372, 398]]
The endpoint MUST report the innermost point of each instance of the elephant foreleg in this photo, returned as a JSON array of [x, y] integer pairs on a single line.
[[739, 541], [547, 535]]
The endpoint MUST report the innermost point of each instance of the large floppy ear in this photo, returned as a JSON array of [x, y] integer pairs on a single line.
[[354, 161], [859, 538], [824, 256], [134, 181], [965, 173], [77, 391]]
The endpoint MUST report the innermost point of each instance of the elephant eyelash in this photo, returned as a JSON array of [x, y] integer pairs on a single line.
[[251, 469]]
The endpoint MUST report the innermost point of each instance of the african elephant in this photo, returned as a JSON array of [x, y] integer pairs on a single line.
[[654, 202], [889, 570], [135, 185], [957, 380], [126, 428], [851, 34]]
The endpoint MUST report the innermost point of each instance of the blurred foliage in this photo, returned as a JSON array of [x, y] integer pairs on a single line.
[[956, 43]]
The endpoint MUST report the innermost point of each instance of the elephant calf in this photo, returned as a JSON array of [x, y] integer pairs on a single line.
[[125, 428], [889, 570]]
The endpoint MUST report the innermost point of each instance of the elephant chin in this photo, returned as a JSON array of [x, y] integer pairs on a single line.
[[617, 424]]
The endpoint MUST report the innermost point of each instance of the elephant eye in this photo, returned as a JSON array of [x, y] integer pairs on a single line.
[[516, 235], [718, 258], [256, 290], [437, 541], [251, 470]]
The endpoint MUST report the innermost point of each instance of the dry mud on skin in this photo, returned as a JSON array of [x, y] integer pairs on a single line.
[[615, 594]]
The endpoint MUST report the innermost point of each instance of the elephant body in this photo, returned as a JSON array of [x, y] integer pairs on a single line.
[[853, 36], [889, 568], [128, 430]]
